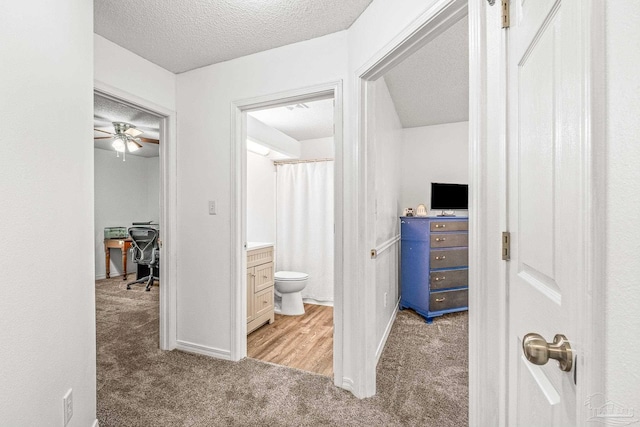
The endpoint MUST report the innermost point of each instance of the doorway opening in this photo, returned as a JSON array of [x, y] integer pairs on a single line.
[[290, 222], [134, 152], [413, 134], [288, 244]]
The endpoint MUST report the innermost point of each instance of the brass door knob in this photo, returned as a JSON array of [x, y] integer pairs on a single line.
[[538, 351]]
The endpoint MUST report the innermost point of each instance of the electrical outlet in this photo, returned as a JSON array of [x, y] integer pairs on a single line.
[[67, 402], [385, 299], [212, 207]]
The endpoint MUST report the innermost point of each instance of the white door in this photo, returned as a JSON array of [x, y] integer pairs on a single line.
[[546, 200]]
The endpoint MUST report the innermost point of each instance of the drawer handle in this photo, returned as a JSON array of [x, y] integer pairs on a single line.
[[265, 277], [440, 278], [440, 299], [441, 225], [440, 239], [440, 257]]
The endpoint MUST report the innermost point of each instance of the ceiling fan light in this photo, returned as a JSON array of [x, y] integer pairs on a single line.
[[118, 145], [132, 146], [133, 131]]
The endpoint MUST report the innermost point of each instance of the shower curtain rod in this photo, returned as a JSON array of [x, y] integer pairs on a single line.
[[286, 162]]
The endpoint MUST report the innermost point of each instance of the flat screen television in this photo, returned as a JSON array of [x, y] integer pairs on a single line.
[[448, 197]]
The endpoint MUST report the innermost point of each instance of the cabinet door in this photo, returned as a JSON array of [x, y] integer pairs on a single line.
[[250, 294]]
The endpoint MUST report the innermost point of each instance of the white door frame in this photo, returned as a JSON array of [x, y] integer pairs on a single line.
[[425, 28], [238, 224], [168, 205]]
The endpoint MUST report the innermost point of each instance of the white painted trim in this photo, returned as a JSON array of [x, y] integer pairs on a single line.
[[204, 350], [388, 244], [95, 424], [238, 284], [483, 332], [347, 384], [168, 203], [591, 364], [432, 22], [387, 331]]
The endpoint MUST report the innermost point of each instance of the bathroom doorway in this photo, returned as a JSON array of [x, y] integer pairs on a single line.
[[289, 249], [290, 171]]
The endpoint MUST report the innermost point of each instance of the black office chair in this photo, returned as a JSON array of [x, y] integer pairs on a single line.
[[145, 251]]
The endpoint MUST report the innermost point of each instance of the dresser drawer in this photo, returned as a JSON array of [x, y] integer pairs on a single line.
[[449, 240], [448, 279], [259, 256], [263, 302], [449, 258], [448, 299], [450, 225], [263, 276]]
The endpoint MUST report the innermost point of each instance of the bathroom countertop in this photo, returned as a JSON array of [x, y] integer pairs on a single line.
[[258, 245]]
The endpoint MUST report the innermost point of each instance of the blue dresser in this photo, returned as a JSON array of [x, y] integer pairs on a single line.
[[435, 259]]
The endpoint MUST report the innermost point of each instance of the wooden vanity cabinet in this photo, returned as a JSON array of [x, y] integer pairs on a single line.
[[259, 288]]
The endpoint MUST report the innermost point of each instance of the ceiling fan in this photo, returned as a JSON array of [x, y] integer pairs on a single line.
[[126, 138]]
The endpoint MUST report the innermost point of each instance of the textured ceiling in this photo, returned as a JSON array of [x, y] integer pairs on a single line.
[[432, 85], [106, 111], [183, 35], [300, 123]]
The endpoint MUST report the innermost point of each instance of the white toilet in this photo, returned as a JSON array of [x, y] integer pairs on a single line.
[[289, 286]]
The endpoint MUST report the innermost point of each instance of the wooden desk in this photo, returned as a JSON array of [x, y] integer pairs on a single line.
[[123, 245]]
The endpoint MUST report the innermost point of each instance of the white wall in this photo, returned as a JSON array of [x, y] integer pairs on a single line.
[[438, 153], [388, 151], [261, 199], [153, 188], [271, 137], [47, 310], [622, 346], [318, 148], [124, 192], [204, 100], [126, 71]]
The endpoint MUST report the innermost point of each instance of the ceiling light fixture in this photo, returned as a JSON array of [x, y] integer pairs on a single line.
[[254, 147], [293, 107], [125, 139]]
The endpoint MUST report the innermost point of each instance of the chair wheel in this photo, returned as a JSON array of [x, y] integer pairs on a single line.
[[128, 287]]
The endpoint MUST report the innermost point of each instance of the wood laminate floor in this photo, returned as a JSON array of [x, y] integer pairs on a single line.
[[302, 342]]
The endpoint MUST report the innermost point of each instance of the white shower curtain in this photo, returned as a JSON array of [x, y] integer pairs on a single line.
[[305, 224]]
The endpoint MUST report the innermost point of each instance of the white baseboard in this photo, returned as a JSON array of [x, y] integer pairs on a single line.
[[95, 424], [190, 347], [316, 302], [387, 330]]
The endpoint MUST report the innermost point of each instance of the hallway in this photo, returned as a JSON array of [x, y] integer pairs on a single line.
[[422, 376]]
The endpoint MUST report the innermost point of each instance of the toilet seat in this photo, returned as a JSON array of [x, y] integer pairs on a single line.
[[285, 276]]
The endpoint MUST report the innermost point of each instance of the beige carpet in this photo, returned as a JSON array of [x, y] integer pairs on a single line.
[[422, 377]]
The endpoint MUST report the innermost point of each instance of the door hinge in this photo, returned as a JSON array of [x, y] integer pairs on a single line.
[[505, 13], [506, 246]]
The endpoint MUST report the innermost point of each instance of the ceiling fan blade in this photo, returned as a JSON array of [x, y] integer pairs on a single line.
[[152, 141], [133, 132], [103, 131], [103, 137], [137, 143]]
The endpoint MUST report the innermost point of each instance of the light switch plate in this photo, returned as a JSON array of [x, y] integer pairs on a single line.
[[212, 207]]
